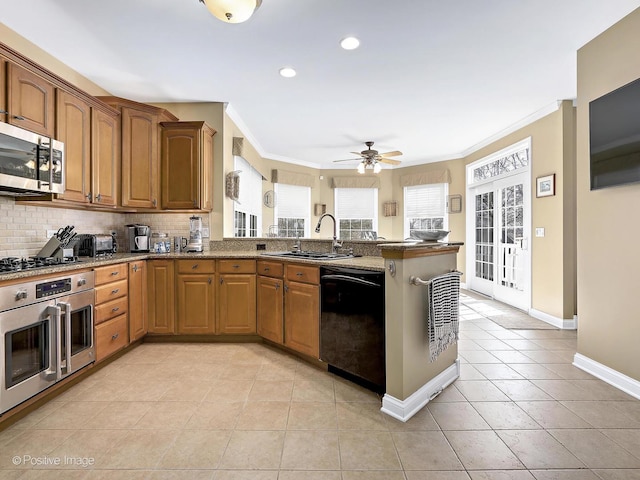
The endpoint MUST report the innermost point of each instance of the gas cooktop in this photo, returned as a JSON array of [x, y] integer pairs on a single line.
[[15, 264]]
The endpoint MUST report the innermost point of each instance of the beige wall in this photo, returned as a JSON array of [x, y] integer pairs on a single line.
[[32, 52], [608, 226]]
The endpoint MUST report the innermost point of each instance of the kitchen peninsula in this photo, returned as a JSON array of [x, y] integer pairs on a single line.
[[162, 307]]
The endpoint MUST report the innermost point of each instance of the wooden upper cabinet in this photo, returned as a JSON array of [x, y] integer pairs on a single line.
[[140, 125], [105, 158], [3, 90], [139, 159], [186, 165], [73, 127], [31, 101]]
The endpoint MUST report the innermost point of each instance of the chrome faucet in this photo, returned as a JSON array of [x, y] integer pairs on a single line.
[[297, 247], [336, 243]]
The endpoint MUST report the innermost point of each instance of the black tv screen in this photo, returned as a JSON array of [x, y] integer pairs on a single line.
[[614, 130]]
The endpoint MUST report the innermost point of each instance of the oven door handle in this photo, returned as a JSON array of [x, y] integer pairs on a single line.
[[67, 331], [53, 372], [348, 279]]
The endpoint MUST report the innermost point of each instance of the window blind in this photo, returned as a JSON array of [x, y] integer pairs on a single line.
[[425, 201], [292, 201], [356, 203], [250, 198]]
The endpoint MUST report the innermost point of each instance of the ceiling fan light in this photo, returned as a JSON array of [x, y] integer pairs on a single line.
[[361, 167], [376, 168], [232, 11]]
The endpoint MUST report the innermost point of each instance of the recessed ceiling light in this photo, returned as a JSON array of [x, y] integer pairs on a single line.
[[350, 43], [287, 72]]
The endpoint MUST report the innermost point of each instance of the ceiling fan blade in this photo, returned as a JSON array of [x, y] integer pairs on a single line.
[[357, 153], [348, 160], [389, 161], [395, 153]]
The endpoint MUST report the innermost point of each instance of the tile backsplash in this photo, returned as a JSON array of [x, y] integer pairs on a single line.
[[23, 228]]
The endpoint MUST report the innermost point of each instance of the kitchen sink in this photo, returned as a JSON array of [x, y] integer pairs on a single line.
[[310, 255]]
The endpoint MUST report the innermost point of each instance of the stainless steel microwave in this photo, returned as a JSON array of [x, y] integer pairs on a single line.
[[30, 164]]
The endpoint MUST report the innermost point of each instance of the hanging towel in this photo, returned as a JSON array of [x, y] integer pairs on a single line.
[[442, 312]]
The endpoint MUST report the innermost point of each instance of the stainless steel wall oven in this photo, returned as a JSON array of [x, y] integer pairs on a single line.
[[46, 330]]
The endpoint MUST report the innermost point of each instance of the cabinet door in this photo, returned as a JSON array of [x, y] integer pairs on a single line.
[[105, 158], [31, 101], [237, 297], [206, 194], [269, 297], [302, 318], [196, 304], [73, 127], [137, 300], [161, 295], [3, 90], [139, 159], [180, 167]]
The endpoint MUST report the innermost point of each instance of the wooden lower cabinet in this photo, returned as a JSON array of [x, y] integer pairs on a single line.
[[111, 336], [196, 303], [237, 297], [302, 318], [137, 300], [270, 302], [161, 297]]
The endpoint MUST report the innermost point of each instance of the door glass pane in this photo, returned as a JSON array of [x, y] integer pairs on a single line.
[[511, 267], [81, 334], [27, 352], [484, 235]]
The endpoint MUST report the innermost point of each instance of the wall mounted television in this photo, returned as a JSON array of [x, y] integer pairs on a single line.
[[614, 137]]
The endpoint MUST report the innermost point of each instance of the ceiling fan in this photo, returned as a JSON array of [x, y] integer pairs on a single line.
[[372, 158]]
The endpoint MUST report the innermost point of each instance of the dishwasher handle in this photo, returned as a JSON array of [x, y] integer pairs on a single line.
[[347, 278]]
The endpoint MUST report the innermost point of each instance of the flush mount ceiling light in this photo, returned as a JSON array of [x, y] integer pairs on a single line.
[[232, 11], [350, 43], [287, 72]]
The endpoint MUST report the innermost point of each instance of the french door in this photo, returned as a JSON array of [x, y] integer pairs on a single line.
[[499, 263]]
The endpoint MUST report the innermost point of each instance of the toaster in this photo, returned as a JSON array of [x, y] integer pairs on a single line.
[[96, 245]]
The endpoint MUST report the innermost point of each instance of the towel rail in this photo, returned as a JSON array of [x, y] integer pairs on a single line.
[[413, 280]]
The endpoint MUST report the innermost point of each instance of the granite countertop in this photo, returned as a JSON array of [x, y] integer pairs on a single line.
[[367, 263]]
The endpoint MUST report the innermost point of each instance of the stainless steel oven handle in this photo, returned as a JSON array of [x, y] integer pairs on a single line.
[[347, 278], [67, 340], [52, 372]]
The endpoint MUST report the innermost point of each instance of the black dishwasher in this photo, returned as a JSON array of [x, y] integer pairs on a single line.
[[352, 325]]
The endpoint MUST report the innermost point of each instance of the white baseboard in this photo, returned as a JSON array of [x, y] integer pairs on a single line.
[[403, 410], [562, 323], [612, 377]]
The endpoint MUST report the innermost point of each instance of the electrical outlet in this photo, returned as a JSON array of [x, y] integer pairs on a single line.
[[51, 233], [539, 231], [205, 232]]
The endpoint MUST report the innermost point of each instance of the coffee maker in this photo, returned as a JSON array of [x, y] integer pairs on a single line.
[[138, 238], [195, 235]]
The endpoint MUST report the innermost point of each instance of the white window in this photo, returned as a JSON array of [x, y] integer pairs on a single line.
[[356, 211], [247, 210], [293, 210], [425, 208]]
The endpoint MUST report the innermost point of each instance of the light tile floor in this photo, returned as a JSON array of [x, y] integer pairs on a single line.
[[519, 411]]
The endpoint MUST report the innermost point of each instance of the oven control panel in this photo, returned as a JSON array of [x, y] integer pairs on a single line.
[[56, 287]]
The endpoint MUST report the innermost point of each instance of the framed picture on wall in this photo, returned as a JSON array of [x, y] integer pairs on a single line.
[[546, 186]]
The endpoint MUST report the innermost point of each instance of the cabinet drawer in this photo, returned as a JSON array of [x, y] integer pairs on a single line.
[[237, 266], [270, 269], [111, 273], [303, 273], [111, 291], [196, 266], [111, 336], [109, 310]]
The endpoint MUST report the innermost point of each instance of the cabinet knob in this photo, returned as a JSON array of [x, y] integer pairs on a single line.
[[2, 112], [135, 268], [114, 291], [113, 274], [209, 280], [266, 269], [18, 117], [154, 202], [299, 274], [194, 266], [115, 309], [115, 336], [236, 266], [89, 196], [98, 197]]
